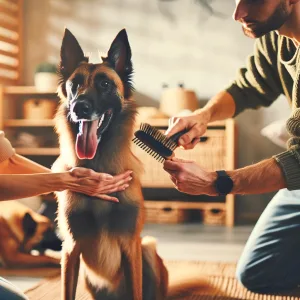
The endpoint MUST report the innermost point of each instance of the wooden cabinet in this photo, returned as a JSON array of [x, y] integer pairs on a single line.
[[12, 121], [216, 152]]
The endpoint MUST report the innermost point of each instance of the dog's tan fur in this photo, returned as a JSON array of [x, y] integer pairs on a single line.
[[14, 246], [114, 261]]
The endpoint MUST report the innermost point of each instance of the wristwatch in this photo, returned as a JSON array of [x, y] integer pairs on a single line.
[[223, 183]]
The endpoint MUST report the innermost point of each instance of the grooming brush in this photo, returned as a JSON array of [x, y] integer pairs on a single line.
[[156, 143]]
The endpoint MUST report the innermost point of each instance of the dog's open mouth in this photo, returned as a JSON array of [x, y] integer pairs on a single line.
[[89, 135]]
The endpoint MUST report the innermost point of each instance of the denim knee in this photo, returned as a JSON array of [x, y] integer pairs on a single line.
[[248, 280], [262, 282]]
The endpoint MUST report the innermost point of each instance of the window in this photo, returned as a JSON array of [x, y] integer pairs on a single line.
[[10, 41]]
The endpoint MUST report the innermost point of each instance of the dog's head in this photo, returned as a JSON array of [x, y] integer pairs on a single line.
[[95, 93], [35, 227]]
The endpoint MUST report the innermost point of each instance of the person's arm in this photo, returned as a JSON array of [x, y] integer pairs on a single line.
[[42, 181], [190, 178], [17, 164], [14, 186], [263, 177], [289, 160], [78, 180], [12, 163], [258, 84]]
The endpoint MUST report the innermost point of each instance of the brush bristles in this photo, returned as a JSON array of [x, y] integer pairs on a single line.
[[154, 142], [158, 136], [157, 156]]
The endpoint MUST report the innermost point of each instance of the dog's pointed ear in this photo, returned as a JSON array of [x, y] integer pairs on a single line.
[[71, 55], [119, 54], [29, 225]]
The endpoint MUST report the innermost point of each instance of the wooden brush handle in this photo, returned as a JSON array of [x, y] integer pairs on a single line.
[[177, 136]]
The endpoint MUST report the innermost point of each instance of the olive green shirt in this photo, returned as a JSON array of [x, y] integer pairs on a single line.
[[272, 70]]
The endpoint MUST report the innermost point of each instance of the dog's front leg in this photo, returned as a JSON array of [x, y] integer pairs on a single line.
[[70, 269], [133, 254]]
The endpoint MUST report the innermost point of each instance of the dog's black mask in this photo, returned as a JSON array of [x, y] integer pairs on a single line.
[[95, 93]]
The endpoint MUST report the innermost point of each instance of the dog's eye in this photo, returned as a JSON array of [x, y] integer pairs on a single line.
[[77, 82], [104, 84]]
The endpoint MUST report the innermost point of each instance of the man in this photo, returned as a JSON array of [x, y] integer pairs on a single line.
[[270, 261]]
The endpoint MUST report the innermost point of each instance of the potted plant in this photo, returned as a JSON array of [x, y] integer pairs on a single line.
[[46, 78]]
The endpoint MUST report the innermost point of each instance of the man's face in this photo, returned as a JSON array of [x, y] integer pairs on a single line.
[[259, 17]]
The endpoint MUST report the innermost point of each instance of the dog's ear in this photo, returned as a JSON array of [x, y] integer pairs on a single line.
[[29, 225], [119, 56], [71, 55]]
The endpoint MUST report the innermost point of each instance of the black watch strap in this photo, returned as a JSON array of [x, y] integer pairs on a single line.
[[223, 184], [221, 173]]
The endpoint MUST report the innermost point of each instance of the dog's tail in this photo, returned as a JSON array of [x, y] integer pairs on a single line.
[[183, 282], [175, 281]]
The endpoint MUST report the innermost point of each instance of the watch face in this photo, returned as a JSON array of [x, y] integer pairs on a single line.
[[224, 185]]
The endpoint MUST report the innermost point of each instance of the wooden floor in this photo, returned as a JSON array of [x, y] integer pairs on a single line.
[[212, 281], [175, 242]]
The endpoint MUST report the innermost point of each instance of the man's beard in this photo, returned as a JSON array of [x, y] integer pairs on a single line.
[[278, 18]]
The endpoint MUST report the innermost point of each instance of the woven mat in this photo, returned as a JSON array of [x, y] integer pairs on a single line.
[[223, 285]]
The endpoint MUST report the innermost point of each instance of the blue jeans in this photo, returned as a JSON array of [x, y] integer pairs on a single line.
[[270, 261], [10, 292]]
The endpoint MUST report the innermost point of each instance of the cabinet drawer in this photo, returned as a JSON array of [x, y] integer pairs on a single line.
[[210, 154]]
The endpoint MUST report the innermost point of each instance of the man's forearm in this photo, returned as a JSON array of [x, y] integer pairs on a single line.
[[263, 177], [220, 107]]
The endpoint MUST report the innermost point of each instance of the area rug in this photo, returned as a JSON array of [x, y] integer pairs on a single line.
[[220, 276]]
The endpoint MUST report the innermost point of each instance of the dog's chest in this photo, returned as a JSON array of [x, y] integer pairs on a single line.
[[88, 216]]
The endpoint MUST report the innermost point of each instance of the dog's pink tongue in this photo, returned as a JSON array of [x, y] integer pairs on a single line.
[[87, 142]]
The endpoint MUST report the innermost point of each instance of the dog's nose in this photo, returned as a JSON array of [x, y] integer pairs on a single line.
[[82, 109]]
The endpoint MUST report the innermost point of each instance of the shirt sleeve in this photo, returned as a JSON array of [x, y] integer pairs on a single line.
[[258, 84], [6, 149], [12, 163], [289, 160]]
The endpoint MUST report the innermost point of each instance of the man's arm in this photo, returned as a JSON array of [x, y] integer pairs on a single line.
[[263, 177], [258, 84], [190, 178], [222, 106]]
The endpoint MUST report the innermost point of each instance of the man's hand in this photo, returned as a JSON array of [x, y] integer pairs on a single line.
[[196, 125], [99, 185], [190, 178]]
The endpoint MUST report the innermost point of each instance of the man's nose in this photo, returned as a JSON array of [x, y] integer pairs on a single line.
[[240, 11]]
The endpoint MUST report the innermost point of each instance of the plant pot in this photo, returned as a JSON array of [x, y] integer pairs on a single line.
[[176, 100], [45, 81]]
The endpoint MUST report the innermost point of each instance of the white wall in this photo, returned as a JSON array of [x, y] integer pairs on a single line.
[[201, 50]]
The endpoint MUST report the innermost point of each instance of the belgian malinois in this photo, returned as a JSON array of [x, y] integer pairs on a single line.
[[95, 124]]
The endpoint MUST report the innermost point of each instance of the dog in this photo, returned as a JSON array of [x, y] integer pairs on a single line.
[[21, 231], [95, 123]]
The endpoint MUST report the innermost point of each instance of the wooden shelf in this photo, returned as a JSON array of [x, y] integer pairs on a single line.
[[26, 90], [28, 123], [184, 205], [38, 151]]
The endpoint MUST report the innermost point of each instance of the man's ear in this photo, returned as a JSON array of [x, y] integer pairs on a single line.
[[119, 54], [71, 55], [29, 225]]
